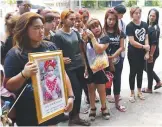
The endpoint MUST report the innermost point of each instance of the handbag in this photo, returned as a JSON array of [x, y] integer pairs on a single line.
[[110, 77]]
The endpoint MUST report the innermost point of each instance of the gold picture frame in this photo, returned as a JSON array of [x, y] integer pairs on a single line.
[[50, 91]]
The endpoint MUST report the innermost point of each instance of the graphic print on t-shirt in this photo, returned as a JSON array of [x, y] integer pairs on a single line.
[[115, 40], [114, 45], [140, 34]]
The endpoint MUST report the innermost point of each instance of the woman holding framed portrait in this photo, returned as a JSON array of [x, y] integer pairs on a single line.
[[29, 33]]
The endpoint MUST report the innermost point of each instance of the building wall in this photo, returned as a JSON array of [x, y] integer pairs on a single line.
[[58, 5]]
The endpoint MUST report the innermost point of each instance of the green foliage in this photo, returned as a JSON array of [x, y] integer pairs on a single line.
[[156, 3], [10, 1], [89, 4], [153, 3], [130, 3], [102, 4]]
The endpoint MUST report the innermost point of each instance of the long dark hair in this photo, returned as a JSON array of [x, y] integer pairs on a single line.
[[157, 16], [106, 27]]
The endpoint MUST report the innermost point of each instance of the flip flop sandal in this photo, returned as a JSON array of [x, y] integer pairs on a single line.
[[92, 114], [157, 87], [132, 99], [111, 99], [121, 108], [145, 90], [105, 114], [140, 95]]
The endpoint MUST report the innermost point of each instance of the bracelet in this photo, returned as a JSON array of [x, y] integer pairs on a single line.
[[23, 75], [73, 97]]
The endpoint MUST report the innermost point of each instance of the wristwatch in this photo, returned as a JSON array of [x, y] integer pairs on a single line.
[[72, 97]]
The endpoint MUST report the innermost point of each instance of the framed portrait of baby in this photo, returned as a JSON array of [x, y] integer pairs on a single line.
[[49, 84]]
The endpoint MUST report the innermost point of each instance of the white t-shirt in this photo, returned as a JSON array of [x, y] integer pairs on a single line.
[[122, 25]]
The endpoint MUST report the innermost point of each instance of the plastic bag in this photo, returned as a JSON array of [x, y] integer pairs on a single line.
[[96, 61]]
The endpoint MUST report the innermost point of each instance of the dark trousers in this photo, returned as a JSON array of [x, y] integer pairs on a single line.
[[150, 73], [116, 79], [136, 62], [78, 82]]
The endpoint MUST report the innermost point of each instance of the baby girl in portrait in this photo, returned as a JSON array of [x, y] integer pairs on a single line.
[[52, 82]]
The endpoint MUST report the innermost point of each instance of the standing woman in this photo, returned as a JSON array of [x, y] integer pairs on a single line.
[[85, 17], [116, 46], [67, 40], [29, 32], [95, 38], [138, 50], [79, 29], [153, 34], [10, 23]]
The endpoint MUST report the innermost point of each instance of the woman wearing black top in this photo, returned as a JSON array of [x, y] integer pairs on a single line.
[[116, 46], [138, 49], [67, 40], [94, 39], [153, 34], [10, 23], [29, 32]]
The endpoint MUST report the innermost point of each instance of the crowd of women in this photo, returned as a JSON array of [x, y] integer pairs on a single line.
[[71, 32]]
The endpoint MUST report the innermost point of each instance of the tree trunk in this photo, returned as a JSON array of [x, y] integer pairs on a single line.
[[96, 4]]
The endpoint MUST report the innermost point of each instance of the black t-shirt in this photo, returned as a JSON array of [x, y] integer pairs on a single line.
[[114, 42], [8, 44], [69, 44], [2, 45], [153, 34], [138, 32], [25, 107]]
